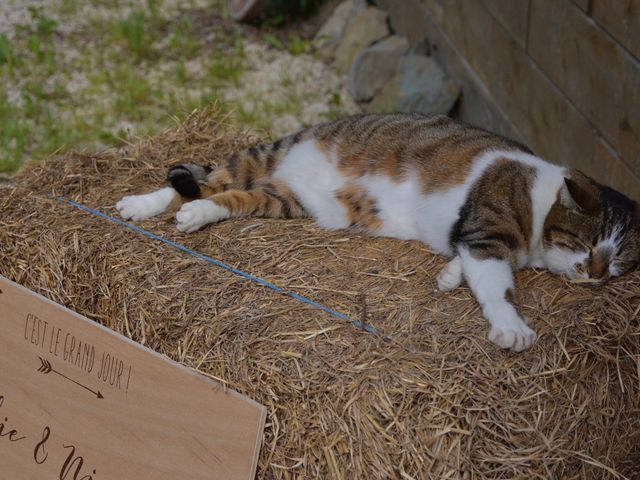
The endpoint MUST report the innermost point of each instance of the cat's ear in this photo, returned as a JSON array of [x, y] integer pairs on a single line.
[[579, 195]]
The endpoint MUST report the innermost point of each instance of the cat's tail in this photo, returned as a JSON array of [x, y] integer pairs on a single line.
[[186, 179], [242, 170]]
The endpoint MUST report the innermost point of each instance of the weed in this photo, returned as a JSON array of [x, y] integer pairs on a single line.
[[183, 41], [13, 135], [40, 38], [154, 7], [181, 73], [274, 41], [133, 92], [335, 111], [294, 45], [226, 68], [7, 54], [45, 26], [136, 35], [119, 78], [68, 8], [297, 45]]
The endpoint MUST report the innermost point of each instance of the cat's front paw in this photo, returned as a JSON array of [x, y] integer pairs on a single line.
[[198, 213], [450, 276], [516, 336], [138, 207], [141, 207]]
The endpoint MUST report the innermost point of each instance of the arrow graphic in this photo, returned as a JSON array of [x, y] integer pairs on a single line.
[[46, 368]]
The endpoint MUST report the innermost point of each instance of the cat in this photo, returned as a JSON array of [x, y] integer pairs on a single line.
[[486, 202]]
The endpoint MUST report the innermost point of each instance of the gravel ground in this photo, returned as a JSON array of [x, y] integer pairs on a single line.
[[97, 95], [306, 83]]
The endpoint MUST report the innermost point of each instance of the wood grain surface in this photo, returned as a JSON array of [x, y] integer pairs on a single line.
[[78, 401]]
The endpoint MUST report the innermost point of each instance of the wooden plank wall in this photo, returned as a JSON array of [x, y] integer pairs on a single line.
[[565, 74]]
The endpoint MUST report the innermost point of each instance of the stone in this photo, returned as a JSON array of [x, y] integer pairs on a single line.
[[407, 17], [374, 66], [419, 85], [329, 35], [367, 27]]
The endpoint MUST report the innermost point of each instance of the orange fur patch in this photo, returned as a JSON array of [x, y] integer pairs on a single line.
[[361, 209]]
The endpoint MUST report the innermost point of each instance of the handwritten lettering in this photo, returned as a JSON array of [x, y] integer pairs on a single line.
[[79, 354], [111, 372], [39, 453], [35, 330], [54, 341], [11, 435], [72, 467], [74, 351], [73, 461]]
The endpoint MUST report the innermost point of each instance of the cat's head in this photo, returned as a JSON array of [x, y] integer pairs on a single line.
[[592, 231]]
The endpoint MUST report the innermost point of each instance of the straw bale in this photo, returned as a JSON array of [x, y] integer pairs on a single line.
[[438, 401]]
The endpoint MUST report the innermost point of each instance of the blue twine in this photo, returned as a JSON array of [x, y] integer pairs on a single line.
[[356, 323]]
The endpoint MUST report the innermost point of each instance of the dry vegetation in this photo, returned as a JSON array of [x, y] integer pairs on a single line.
[[438, 401]]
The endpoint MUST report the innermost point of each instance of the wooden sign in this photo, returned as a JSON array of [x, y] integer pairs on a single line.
[[80, 402]]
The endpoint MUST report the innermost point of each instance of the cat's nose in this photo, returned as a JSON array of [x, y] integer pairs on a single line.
[[598, 268], [600, 275]]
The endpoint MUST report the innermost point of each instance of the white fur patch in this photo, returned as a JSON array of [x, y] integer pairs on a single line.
[[314, 178], [450, 276], [198, 213], [141, 207], [489, 281], [611, 245], [612, 242], [614, 269], [567, 262], [544, 193], [549, 179], [408, 213]]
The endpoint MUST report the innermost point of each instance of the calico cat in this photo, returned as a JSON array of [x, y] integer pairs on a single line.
[[483, 200]]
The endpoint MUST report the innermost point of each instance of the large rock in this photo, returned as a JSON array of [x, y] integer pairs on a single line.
[[419, 85], [408, 18], [367, 27], [374, 66], [329, 35]]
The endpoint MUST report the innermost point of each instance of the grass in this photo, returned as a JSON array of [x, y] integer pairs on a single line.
[[119, 61], [124, 68], [294, 45]]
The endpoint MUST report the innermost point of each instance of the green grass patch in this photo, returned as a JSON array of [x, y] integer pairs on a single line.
[[137, 35], [132, 70], [294, 45]]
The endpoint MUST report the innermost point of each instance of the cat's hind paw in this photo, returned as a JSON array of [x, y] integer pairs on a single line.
[[450, 276], [515, 337], [198, 213], [141, 207]]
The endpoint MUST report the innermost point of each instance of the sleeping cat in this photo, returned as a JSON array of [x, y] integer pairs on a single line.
[[484, 201]]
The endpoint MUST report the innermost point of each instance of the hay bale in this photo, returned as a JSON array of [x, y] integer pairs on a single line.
[[438, 401]]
